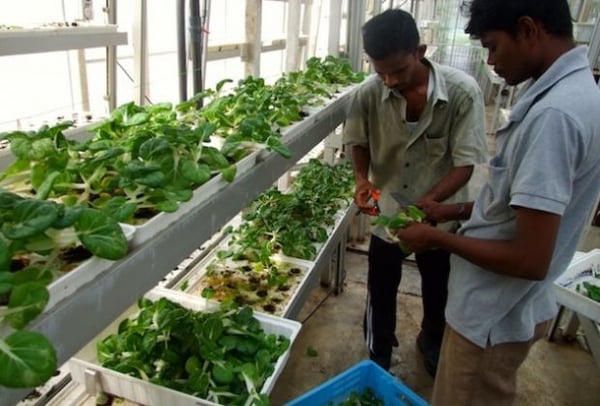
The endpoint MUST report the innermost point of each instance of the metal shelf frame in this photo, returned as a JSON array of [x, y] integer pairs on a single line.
[[320, 272], [73, 322]]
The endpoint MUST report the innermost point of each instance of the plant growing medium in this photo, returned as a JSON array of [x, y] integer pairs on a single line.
[[250, 284], [34, 236], [224, 356]]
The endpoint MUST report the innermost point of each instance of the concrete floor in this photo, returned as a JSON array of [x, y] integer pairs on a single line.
[[554, 374]]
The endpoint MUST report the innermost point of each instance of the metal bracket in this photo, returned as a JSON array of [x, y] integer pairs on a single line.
[[92, 382]]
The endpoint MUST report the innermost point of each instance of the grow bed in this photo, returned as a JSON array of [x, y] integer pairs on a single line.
[[246, 283], [85, 364]]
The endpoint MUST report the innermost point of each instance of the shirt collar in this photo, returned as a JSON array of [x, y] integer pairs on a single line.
[[572, 61], [440, 92]]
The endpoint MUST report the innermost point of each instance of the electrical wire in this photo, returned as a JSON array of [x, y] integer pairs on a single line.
[[313, 311], [131, 79]]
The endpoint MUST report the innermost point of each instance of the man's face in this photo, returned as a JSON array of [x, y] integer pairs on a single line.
[[510, 57], [397, 70]]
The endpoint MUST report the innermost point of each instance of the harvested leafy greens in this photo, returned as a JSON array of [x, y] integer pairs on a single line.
[[405, 217], [224, 356], [364, 398]]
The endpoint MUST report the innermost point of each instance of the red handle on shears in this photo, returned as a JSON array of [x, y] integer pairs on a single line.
[[374, 211]]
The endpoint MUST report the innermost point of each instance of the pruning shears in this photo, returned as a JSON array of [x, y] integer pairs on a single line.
[[374, 211]]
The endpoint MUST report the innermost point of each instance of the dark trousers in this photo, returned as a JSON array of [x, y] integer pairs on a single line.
[[385, 273]]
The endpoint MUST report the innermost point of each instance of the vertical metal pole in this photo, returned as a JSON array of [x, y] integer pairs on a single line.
[[253, 37], [205, 25], [181, 50], [111, 60], [594, 45], [83, 80], [140, 52], [356, 19], [292, 38], [292, 56], [195, 27], [417, 10], [335, 25]]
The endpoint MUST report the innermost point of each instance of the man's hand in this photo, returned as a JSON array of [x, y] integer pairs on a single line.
[[436, 212], [362, 193], [418, 237]]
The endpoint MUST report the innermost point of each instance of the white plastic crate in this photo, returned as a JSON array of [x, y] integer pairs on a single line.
[[581, 269], [85, 362]]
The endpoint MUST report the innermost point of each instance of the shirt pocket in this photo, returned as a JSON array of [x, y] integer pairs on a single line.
[[435, 145], [497, 196]]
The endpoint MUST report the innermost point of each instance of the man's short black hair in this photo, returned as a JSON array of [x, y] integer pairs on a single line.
[[503, 15], [390, 32]]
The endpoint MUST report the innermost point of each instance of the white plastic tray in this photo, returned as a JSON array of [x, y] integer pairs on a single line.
[[579, 271], [195, 281], [149, 394], [161, 221]]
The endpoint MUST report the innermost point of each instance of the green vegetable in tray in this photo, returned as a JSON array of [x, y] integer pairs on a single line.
[[364, 398], [591, 291], [224, 356]]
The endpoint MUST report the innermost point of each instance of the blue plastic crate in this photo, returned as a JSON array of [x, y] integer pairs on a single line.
[[365, 374]]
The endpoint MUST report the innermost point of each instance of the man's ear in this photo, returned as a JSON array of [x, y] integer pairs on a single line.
[[528, 29], [421, 49]]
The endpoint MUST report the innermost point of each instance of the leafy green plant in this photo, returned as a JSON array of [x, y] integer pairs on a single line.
[[33, 235], [223, 356], [589, 290]]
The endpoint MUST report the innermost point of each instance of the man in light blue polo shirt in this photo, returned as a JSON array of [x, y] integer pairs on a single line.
[[525, 224]]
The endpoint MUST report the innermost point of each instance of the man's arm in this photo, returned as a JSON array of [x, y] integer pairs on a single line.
[[526, 256], [361, 159], [449, 184]]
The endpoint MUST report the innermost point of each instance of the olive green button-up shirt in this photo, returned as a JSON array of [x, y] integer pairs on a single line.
[[450, 133]]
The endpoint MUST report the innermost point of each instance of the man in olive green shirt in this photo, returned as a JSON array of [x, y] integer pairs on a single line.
[[416, 128]]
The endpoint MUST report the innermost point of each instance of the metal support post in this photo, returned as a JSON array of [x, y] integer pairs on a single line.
[[111, 60], [356, 19], [592, 336], [335, 24], [253, 45], [140, 52]]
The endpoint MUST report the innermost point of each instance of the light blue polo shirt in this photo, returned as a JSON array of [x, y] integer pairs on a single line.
[[548, 158]]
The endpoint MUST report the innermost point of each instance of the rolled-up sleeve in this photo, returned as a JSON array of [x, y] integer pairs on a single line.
[[357, 123], [469, 140]]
